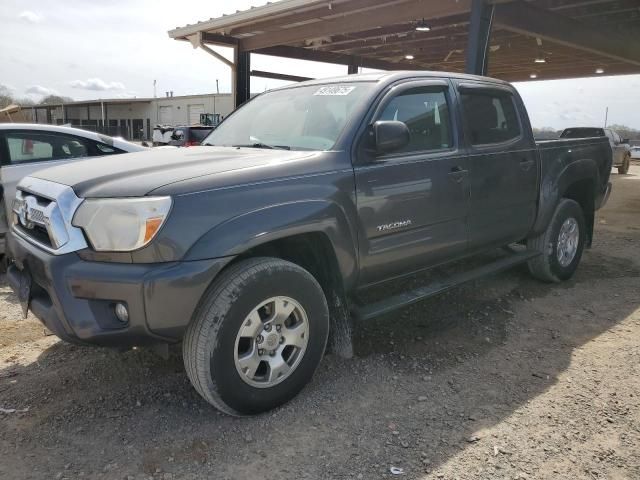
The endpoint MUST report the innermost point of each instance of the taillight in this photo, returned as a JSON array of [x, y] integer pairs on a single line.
[[191, 143]]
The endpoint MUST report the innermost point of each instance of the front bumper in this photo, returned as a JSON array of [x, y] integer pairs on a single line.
[[75, 299]]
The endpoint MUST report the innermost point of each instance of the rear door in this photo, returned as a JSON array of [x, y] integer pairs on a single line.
[[503, 165], [412, 204]]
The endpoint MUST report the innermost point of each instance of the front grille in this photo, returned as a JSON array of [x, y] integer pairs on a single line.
[[37, 233], [36, 216], [31, 217], [43, 212]]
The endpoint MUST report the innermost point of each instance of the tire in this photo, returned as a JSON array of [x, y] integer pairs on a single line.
[[4, 263], [213, 339], [548, 267], [624, 168]]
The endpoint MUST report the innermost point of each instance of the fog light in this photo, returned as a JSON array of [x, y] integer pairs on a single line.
[[122, 313]]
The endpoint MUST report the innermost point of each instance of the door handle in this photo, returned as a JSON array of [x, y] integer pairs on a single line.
[[457, 174]]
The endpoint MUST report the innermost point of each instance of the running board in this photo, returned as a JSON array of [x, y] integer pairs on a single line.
[[372, 310]]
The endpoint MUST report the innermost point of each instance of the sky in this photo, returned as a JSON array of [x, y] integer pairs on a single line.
[[117, 48]]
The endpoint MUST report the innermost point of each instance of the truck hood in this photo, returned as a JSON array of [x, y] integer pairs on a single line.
[[138, 174]]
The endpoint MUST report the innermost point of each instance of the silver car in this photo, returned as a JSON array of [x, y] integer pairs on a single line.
[[26, 148]]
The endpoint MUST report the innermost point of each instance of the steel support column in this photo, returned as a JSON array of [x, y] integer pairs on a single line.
[[479, 34], [242, 90]]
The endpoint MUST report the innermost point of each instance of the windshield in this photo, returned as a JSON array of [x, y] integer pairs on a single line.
[[582, 133], [301, 118]]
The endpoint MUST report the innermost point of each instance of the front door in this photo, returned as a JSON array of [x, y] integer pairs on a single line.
[[503, 166], [413, 204]]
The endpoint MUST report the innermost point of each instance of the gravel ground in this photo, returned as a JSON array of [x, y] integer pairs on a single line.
[[506, 378]]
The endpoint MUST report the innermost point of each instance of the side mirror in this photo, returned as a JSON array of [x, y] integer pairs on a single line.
[[390, 136]]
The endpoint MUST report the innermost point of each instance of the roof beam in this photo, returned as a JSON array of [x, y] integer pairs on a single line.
[[326, 10], [336, 58], [279, 76], [405, 11], [377, 34], [523, 18]]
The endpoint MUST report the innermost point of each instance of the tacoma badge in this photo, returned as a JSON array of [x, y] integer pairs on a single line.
[[394, 225]]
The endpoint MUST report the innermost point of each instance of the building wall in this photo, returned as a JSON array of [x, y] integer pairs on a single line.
[[176, 109], [136, 119]]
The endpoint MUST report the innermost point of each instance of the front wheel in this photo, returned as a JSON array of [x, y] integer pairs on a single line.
[[624, 168], [258, 336], [561, 245]]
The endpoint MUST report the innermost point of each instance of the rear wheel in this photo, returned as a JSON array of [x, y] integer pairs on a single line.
[[257, 337], [561, 245], [624, 168]]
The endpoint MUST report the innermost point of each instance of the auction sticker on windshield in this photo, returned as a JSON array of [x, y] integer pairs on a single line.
[[339, 90]]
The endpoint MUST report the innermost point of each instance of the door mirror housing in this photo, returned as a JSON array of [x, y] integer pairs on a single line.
[[390, 136]]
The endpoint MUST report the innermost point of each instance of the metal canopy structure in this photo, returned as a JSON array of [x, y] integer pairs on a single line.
[[508, 39]]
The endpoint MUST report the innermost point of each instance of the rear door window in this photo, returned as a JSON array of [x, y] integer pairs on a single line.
[[490, 117], [26, 147]]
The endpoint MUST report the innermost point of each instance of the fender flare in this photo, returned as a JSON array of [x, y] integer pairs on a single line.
[[556, 183], [241, 233]]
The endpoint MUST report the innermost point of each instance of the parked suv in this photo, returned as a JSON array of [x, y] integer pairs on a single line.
[[253, 251], [619, 146]]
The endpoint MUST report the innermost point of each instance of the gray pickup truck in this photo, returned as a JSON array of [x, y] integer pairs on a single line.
[[256, 249]]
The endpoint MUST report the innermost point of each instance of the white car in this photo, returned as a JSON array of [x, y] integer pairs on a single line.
[[635, 153], [26, 148]]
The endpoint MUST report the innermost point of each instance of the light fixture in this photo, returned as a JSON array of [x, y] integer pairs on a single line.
[[540, 59], [409, 57], [422, 26], [599, 70], [533, 75]]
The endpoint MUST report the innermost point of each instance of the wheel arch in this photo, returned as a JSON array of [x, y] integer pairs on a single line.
[[577, 181], [274, 226]]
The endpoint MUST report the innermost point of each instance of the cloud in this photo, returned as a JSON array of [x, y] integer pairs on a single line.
[[31, 17], [40, 90], [96, 84]]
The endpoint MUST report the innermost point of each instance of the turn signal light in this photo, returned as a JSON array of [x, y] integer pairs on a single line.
[[152, 226]]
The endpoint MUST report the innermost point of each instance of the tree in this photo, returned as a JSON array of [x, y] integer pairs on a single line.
[[626, 132], [55, 100], [5, 96], [545, 133]]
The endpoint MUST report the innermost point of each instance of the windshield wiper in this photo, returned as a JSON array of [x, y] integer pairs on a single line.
[[263, 145]]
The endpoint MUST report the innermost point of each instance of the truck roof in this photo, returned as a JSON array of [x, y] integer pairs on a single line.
[[392, 76]]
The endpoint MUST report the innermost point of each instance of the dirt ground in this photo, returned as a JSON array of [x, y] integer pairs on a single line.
[[506, 378]]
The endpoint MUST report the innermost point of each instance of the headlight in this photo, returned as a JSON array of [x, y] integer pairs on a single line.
[[121, 224]]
